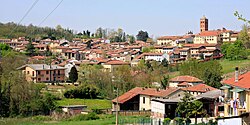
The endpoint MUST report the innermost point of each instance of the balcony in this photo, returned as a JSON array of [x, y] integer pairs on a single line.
[[58, 75]]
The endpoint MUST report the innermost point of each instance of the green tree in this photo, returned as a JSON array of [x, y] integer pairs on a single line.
[[84, 91], [197, 109], [244, 36], [73, 75], [235, 51], [240, 17], [164, 62], [131, 39], [142, 35], [99, 33], [96, 75], [124, 37], [210, 72], [188, 107], [30, 49], [4, 47], [164, 81]]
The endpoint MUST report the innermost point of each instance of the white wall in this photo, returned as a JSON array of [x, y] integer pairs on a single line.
[[231, 121], [154, 57], [157, 107], [147, 104]]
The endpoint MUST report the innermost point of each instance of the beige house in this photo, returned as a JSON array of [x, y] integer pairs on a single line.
[[111, 65], [237, 94], [43, 73], [168, 40], [140, 98]]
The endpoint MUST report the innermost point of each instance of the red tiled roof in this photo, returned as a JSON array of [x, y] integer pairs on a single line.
[[243, 81], [41, 45], [184, 84], [169, 47], [209, 33], [206, 45], [169, 37], [144, 91], [185, 79], [116, 62], [199, 88], [152, 54], [207, 50]]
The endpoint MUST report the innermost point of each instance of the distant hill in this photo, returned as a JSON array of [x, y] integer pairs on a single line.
[[34, 31]]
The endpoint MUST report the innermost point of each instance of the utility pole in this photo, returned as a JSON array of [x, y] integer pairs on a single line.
[[116, 118]]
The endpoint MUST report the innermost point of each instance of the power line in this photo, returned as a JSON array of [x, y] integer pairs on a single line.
[[24, 16], [51, 12], [47, 16]]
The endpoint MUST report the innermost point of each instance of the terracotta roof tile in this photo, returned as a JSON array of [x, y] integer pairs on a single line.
[[199, 88], [243, 81], [144, 91], [185, 79], [116, 62]]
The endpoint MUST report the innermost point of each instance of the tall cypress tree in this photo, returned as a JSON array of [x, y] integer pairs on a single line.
[[73, 75]]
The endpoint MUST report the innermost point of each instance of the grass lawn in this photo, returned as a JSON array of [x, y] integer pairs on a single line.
[[91, 103], [109, 120], [229, 66]]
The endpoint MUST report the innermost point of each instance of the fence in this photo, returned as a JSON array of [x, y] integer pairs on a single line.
[[132, 113]]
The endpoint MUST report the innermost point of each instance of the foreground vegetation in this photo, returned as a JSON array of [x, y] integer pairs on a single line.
[[104, 120]]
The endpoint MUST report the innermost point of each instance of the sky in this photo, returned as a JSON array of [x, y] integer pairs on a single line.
[[157, 17]]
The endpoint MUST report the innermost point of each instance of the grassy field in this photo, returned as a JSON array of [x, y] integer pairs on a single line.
[[91, 103], [107, 120], [229, 66]]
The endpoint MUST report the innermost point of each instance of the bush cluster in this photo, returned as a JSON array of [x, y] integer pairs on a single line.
[[84, 117], [83, 92]]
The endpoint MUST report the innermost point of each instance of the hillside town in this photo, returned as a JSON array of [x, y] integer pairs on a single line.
[[124, 68]]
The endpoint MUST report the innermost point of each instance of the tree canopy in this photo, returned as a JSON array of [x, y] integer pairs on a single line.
[[234, 51], [142, 35], [34, 31], [73, 74], [210, 72], [188, 107]]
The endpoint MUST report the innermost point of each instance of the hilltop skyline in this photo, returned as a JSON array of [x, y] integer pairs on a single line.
[[156, 17]]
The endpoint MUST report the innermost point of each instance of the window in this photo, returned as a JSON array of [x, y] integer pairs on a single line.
[[58, 72], [47, 79], [38, 72], [39, 79], [47, 72], [33, 73], [28, 72], [143, 100]]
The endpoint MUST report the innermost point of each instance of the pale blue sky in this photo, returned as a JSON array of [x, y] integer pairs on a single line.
[[158, 17]]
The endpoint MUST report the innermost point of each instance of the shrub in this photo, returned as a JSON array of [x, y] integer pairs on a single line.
[[97, 111], [83, 91], [179, 121], [84, 117], [166, 121], [42, 118]]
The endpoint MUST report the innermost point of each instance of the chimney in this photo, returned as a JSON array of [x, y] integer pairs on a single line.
[[236, 74]]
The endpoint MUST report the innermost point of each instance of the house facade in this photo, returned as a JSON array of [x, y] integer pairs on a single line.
[[43, 73], [237, 94], [139, 98]]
